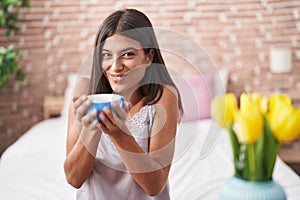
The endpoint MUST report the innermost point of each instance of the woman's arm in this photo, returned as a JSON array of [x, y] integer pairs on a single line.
[[82, 137], [150, 170]]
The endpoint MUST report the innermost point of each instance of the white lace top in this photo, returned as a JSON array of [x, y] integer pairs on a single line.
[[110, 179]]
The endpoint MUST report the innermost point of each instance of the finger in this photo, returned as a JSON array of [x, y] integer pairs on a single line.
[[89, 118], [120, 120], [103, 127], [77, 101], [95, 125], [108, 116], [119, 112], [75, 98], [81, 110]]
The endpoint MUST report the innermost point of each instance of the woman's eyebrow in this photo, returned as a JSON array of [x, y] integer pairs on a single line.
[[129, 49], [123, 50], [105, 50]]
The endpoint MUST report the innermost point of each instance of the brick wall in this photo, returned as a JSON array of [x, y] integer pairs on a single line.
[[55, 37]]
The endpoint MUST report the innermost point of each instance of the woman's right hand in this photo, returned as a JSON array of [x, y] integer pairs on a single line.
[[81, 119]]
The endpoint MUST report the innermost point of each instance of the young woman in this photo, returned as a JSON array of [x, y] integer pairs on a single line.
[[129, 154]]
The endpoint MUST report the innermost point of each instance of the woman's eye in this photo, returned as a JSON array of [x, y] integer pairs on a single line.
[[128, 54], [106, 55]]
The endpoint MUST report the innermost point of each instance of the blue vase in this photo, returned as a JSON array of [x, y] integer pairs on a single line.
[[238, 189]]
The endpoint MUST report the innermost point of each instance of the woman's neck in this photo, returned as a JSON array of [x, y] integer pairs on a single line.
[[133, 97]]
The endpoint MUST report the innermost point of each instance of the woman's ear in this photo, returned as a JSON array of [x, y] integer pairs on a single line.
[[150, 56]]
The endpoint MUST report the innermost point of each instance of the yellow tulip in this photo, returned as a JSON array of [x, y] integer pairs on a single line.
[[264, 104], [223, 108], [249, 98], [283, 118], [277, 97], [249, 119]]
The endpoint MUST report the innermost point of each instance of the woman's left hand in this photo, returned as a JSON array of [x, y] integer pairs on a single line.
[[114, 121]]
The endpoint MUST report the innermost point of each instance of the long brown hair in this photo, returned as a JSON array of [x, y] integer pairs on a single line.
[[136, 25]]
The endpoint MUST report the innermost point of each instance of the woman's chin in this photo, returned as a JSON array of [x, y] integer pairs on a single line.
[[119, 88]]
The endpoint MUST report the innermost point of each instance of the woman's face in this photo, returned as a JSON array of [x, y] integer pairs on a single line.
[[124, 62]]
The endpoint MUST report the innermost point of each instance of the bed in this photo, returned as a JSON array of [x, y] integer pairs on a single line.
[[32, 167]]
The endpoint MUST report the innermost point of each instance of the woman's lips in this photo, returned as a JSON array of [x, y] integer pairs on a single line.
[[117, 77]]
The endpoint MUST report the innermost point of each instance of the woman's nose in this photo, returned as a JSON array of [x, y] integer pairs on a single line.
[[117, 64]]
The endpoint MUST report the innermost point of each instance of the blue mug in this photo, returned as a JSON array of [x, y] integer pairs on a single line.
[[104, 100]]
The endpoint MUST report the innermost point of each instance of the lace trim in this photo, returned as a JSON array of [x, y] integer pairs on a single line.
[[138, 122]]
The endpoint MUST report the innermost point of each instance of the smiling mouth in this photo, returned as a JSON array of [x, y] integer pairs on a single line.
[[117, 77]]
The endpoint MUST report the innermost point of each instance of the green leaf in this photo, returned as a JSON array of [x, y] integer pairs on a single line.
[[2, 18], [9, 16], [259, 158], [10, 56], [244, 162], [271, 148], [235, 145], [25, 3]]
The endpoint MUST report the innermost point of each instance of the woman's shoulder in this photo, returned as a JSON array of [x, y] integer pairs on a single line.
[[169, 96], [167, 107], [169, 92]]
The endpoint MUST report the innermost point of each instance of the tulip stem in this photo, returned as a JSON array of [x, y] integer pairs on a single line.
[[252, 163], [272, 146]]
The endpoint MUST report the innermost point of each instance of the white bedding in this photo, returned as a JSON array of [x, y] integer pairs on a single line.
[[196, 177], [32, 168]]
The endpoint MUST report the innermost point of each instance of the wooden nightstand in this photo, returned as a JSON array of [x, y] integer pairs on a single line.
[[53, 106]]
